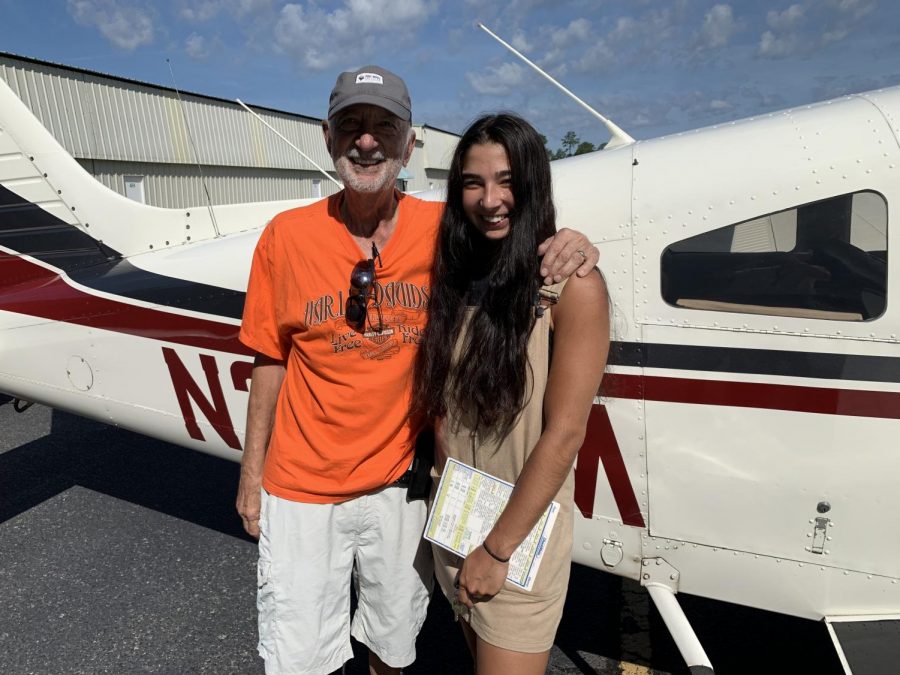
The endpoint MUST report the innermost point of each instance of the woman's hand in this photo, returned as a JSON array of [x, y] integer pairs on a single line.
[[480, 578]]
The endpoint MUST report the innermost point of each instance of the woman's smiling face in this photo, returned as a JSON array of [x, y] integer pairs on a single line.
[[487, 197]]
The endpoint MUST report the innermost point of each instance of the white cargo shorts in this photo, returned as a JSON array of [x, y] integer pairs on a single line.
[[308, 554]]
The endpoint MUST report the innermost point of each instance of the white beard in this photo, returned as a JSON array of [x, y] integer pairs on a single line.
[[379, 181]]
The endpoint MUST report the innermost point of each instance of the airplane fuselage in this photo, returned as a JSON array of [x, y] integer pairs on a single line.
[[742, 445]]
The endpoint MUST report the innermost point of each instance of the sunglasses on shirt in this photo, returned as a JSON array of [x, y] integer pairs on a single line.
[[362, 291]]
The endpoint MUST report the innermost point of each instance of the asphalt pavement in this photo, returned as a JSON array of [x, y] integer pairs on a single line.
[[121, 554]]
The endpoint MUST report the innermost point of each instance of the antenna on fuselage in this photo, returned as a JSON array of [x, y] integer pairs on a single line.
[[281, 136], [187, 127], [618, 136]]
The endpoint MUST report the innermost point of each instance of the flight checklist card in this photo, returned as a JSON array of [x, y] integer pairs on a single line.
[[466, 506]]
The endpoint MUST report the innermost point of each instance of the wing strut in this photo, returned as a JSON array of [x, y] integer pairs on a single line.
[[619, 137], [281, 136]]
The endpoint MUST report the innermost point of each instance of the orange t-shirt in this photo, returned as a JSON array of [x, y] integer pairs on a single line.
[[342, 425]]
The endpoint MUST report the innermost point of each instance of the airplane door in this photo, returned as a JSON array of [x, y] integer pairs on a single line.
[[771, 362]]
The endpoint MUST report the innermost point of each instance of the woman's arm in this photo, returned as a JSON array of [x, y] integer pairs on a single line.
[[580, 347]]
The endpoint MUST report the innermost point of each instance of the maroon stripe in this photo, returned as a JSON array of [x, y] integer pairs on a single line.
[[821, 400], [37, 291], [34, 290], [600, 444]]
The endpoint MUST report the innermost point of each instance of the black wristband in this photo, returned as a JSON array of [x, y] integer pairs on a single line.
[[492, 554]]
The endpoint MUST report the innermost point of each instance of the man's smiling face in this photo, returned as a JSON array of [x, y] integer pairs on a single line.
[[369, 146]]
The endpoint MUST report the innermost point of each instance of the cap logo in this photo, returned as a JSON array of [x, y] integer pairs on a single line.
[[369, 78]]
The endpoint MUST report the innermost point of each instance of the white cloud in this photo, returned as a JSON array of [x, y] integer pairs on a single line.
[[792, 33], [626, 28], [577, 31], [645, 31], [501, 80], [320, 39], [520, 41], [718, 105], [835, 35], [777, 46], [784, 37], [597, 57], [204, 10], [850, 14], [387, 15], [196, 47], [126, 26], [858, 8], [634, 41], [785, 20], [718, 27], [242, 7], [553, 59], [660, 25]]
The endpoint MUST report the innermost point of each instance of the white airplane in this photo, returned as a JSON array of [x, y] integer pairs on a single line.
[[743, 445]]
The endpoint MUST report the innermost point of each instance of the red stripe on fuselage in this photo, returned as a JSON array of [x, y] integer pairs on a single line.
[[33, 290], [792, 398], [600, 445]]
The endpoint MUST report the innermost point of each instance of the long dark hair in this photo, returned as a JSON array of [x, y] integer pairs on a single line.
[[490, 375]]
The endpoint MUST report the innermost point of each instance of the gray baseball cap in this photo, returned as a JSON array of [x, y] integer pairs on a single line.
[[373, 85]]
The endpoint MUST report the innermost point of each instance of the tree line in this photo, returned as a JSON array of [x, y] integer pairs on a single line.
[[571, 145]]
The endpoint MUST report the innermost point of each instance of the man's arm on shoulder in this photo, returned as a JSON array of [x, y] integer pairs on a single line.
[[268, 374], [565, 253]]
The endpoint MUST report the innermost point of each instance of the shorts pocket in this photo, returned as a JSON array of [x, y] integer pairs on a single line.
[[265, 605], [265, 587], [263, 573]]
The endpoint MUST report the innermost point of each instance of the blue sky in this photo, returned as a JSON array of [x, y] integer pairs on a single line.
[[654, 67]]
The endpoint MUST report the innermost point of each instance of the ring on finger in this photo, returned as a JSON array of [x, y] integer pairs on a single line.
[[583, 254]]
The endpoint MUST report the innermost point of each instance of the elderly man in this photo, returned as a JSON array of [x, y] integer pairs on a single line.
[[335, 307]]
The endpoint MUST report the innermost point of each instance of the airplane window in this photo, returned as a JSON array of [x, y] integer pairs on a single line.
[[825, 260]]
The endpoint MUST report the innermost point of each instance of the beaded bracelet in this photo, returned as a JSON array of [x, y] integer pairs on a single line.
[[492, 554]]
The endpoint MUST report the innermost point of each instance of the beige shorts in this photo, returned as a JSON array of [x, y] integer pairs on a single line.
[[308, 554], [514, 619]]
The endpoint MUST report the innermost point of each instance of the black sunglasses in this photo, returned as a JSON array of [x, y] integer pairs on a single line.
[[362, 289]]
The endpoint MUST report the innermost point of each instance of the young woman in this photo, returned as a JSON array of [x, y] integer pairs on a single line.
[[499, 400]]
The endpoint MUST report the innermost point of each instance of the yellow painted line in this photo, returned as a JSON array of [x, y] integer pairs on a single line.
[[626, 668]]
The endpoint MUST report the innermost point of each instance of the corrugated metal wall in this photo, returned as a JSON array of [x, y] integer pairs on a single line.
[[103, 118], [119, 128], [439, 146], [179, 186], [430, 161]]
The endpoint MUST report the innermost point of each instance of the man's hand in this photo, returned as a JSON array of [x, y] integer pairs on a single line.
[[566, 253], [480, 578], [248, 503]]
